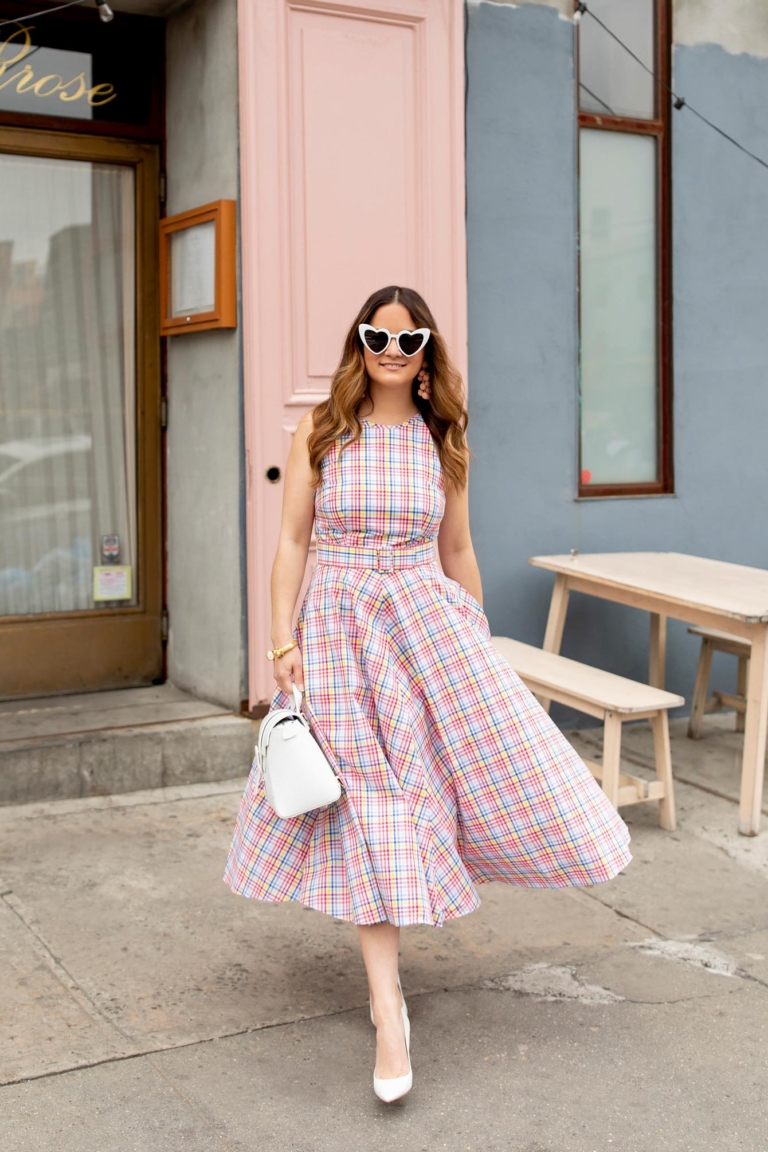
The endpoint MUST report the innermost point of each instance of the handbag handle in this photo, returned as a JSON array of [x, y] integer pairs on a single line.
[[298, 696]]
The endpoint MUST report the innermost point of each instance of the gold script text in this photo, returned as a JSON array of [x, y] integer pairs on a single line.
[[25, 80]]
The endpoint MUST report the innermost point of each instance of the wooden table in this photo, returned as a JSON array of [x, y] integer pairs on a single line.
[[711, 593]]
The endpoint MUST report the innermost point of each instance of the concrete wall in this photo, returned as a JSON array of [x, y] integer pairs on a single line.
[[206, 542], [521, 232]]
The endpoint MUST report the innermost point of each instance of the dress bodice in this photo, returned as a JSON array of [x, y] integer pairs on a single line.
[[385, 488]]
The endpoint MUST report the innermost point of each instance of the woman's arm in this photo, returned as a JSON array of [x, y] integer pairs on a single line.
[[291, 556], [454, 543]]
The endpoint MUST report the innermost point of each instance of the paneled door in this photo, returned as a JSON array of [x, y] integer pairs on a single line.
[[80, 493], [352, 160]]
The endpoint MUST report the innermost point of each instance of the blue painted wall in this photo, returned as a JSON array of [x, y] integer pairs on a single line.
[[521, 236]]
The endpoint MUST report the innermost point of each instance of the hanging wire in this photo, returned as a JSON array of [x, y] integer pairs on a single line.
[[44, 12], [680, 101], [595, 96]]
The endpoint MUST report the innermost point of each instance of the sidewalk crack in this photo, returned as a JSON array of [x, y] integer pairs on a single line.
[[59, 970]]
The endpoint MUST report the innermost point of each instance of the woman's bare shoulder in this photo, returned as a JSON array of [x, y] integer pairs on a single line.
[[307, 423], [305, 426]]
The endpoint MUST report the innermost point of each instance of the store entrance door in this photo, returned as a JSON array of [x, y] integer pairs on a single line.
[[80, 476]]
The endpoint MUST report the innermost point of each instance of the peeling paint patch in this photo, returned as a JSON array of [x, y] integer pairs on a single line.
[[699, 955], [564, 7], [738, 26], [551, 982]]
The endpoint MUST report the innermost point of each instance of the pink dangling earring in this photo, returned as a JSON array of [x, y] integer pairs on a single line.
[[424, 390]]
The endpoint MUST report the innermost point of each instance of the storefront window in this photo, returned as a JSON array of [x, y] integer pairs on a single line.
[[67, 385]]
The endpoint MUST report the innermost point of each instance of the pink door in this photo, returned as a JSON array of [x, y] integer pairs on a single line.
[[352, 158]]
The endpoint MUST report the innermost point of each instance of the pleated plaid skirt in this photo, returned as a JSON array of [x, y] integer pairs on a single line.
[[452, 774]]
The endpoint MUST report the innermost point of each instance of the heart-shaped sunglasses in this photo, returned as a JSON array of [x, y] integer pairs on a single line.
[[377, 340]]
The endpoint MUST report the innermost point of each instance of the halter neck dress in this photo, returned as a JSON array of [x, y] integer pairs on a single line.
[[452, 773]]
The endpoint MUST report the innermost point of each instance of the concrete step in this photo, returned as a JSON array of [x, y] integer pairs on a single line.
[[103, 743]]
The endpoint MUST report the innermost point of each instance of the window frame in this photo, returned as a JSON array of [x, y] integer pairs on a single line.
[[660, 128]]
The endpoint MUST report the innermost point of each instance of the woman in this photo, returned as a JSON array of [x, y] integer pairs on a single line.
[[452, 773]]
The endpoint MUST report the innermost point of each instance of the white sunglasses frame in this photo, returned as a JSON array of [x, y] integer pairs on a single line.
[[425, 332]]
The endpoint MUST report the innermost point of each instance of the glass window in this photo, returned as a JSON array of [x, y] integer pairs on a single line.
[[610, 81], [624, 244], [617, 224], [67, 382]]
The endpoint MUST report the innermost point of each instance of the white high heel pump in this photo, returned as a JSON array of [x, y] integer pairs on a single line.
[[391, 1088]]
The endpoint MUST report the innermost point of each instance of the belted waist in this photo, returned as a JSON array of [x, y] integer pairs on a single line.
[[383, 558]]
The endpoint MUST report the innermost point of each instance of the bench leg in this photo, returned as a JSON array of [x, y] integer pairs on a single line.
[[741, 689], [699, 699], [663, 753], [612, 757]]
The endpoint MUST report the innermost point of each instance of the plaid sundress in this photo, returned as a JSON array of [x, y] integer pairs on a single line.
[[452, 773]]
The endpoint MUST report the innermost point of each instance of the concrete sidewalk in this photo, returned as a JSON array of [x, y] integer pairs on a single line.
[[143, 1006]]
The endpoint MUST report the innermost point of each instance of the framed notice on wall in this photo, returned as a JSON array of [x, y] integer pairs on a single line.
[[198, 278]]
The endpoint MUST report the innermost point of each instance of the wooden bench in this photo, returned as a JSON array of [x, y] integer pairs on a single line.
[[614, 700], [714, 641]]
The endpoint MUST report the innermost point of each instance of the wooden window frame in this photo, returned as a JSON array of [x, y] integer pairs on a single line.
[[659, 128]]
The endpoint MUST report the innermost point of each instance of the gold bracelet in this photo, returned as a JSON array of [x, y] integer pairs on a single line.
[[275, 652]]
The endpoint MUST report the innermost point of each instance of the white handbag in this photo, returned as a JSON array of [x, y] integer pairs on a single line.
[[297, 775]]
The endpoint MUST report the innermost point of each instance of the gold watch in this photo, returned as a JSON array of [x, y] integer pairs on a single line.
[[275, 652]]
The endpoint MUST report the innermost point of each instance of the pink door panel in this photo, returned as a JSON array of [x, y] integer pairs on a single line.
[[352, 160]]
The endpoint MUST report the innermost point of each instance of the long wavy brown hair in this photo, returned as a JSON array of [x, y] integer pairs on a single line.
[[444, 413]]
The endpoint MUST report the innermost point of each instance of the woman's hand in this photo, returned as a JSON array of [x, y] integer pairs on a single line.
[[288, 669]]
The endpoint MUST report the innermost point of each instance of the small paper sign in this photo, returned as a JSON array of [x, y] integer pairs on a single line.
[[112, 582]]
